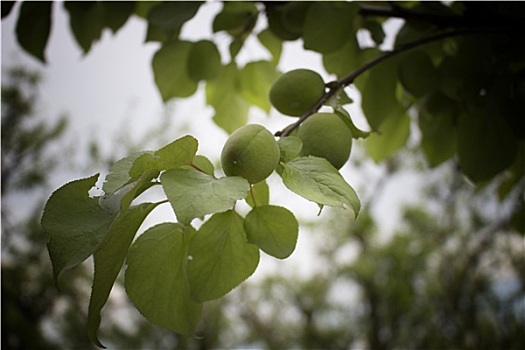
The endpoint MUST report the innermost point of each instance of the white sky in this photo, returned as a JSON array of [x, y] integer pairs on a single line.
[[112, 89]]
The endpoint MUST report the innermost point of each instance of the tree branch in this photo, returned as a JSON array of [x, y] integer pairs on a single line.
[[334, 86]]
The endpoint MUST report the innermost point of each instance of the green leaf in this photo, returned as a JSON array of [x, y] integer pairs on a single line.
[[272, 43], [328, 25], [290, 147], [344, 60], [376, 30], [231, 110], [193, 194], [173, 155], [277, 23], [109, 259], [255, 81], [119, 173], [417, 73], [273, 229], [438, 137], [204, 61], [156, 278], [317, 180], [486, 145], [345, 116], [379, 93], [261, 192], [170, 68], [170, 16], [220, 257], [87, 19], [392, 135], [118, 13], [33, 27], [75, 223], [204, 164], [236, 18]]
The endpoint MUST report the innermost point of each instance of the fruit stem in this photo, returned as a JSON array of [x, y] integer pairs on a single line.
[[334, 86]]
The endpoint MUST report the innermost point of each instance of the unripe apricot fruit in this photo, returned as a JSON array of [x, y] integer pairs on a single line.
[[251, 152], [325, 135], [296, 91]]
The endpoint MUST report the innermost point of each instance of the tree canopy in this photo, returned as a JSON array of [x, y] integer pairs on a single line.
[[453, 81]]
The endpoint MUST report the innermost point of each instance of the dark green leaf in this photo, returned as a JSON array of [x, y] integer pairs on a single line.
[[328, 26], [317, 180], [417, 73], [273, 229], [170, 16], [438, 137], [75, 224], [220, 257], [109, 259], [87, 19], [344, 60], [156, 278], [204, 61], [33, 27], [193, 194], [118, 13], [170, 67], [236, 18]]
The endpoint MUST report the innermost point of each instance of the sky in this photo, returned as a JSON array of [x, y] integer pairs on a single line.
[[111, 90]]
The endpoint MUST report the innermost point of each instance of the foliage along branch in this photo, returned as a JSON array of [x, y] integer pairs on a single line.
[[334, 86]]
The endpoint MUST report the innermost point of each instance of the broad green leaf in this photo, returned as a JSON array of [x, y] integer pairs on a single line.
[[376, 30], [109, 259], [255, 81], [236, 18], [142, 8], [87, 19], [156, 278], [259, 195], [276, 23], [290, 147], [345, 116], [193, 194], [204, 164], [231, 110], [392, 135], [344, 60], [417, 73], [273, 229], [486, 145], [379, 93], [328, 25], [171, 15], [220, 257], [33, 27], [117, 13], [170, 68], [173, 155], [438, 137], [204, 61], [317, 180], [272, 43], [75, 224], [119, 173]]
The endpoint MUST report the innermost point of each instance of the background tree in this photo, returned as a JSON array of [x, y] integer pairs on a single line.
[[455, 71]]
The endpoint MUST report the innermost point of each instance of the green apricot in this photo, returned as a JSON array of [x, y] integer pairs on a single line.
[[296, 91], [251, 152], [325, 135]]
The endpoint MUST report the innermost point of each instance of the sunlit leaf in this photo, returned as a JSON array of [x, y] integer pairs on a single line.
[[220, 257], [392, 135], [272, 43], [317, 180], [231, 110], [156, 279], [255, 81], [193, 194], [33, 27], [273, 229]]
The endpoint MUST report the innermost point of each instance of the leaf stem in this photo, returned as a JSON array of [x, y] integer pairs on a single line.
[[349, 79]]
